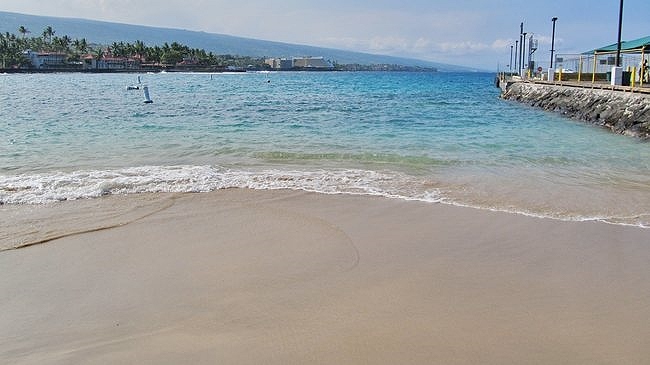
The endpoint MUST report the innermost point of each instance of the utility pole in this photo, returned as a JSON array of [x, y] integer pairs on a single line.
[[510, 64], [521, 48], [553, 41], [620, 28], [516, 50]]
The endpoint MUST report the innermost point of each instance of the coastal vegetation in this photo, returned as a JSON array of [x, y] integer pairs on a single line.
[[13, 47], [81, 54]]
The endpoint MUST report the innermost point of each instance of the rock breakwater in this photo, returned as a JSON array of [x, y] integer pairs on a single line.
[[622, 112]]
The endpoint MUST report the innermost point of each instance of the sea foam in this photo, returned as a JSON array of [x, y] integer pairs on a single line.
[[59, 186]]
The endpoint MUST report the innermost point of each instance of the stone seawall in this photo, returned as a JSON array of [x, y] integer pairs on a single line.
[[622, 112]]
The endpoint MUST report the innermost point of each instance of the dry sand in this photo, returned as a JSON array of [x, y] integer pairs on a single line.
[[279, 277]]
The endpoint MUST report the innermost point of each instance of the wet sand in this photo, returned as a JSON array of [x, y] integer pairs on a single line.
[[280, 277]]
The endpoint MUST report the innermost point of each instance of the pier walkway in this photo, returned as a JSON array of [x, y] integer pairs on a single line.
[[505, 81]]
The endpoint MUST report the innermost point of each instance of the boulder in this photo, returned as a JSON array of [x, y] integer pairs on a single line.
[[622, 112]]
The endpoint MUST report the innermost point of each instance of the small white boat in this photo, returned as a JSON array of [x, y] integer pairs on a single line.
[[136, 87]]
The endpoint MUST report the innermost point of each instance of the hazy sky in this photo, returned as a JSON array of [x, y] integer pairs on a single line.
[[465, 32]]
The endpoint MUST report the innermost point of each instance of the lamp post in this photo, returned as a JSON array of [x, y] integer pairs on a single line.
[[516, 50], [553, 41], [620, 28], [523, 46], [510, 64]]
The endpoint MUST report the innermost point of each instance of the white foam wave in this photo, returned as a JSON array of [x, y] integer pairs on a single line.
[[59, 186]]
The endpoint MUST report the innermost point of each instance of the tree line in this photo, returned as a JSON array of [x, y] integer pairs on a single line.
[[12, 49]]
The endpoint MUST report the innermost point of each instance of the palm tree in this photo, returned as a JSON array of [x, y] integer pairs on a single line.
[[48, 32], [22, 30], [65, 43], [80, 45], [98, 54], [139, 48]]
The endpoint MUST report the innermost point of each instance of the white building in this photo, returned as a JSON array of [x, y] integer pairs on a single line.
[[311, 62], [110, 63], [299, 62], [46, 60]]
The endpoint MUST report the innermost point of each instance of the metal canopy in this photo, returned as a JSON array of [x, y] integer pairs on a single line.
[[626, 46]]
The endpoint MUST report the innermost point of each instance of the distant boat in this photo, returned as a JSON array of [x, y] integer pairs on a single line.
[[135, 87]]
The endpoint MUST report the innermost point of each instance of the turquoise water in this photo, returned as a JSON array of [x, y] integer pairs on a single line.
[[438, 137]]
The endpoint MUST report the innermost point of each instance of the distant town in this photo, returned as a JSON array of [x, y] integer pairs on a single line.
[[50, 53]]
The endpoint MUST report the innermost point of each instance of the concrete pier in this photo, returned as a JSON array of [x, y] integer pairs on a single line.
[[622, 112]]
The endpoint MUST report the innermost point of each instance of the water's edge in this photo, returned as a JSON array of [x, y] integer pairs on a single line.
[[620, 112]]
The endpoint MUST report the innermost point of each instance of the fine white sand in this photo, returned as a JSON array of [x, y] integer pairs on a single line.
[[279, 277]]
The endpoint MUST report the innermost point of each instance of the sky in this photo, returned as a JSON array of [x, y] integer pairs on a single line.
[[472, 33]]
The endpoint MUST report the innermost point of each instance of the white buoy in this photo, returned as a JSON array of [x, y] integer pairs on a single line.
[[147, 99]]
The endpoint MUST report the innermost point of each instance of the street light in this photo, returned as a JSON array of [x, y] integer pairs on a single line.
[[516, 50], [620, 28], [510, 64], [553, 41], [523, 47]]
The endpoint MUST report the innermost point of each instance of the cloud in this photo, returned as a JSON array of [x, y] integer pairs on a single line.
[[383, 44], [389, 44], [463, 47], [423, 47], [422, 44], [502, 44]]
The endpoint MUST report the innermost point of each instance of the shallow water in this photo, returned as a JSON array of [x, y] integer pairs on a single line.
[[436, 137]]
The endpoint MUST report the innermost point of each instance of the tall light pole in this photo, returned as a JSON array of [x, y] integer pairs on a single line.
[[516, 50], [510, 64], [553, 41], [523, 47], [620, 28]]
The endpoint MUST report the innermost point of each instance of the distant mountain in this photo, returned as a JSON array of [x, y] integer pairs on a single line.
[[107, 33]]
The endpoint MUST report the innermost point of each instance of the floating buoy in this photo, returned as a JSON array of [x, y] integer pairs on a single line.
[[147, 99]]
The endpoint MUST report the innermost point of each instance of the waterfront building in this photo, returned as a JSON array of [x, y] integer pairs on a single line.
[[46, 60], [312, 62], [299, 63], [108, 62]]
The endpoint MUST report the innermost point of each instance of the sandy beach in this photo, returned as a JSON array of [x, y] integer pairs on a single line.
[[286, 277]]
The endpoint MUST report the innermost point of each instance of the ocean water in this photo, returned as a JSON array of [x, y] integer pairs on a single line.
[[444, 138]]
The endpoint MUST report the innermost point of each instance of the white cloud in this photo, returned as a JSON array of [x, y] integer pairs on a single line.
[[463, 47], [502, 44], [388, 44], [422, 44]]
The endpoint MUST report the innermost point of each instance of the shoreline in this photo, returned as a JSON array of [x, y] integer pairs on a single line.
[[47, 217], [199, 70], [625, 113], [249, 276], [114, 71]]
